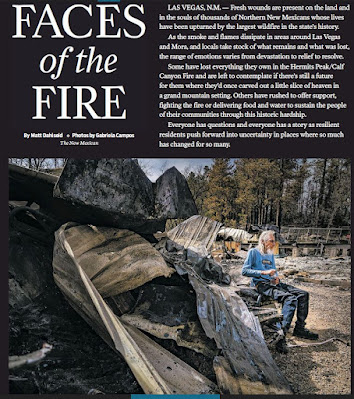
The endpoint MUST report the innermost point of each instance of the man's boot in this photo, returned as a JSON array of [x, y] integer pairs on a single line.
[[280, 342], [281, 346], [303, 332]]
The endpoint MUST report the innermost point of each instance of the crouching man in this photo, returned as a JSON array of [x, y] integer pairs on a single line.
[[260, 265]]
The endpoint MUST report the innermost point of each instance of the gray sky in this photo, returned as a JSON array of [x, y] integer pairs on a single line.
[[154, 167]]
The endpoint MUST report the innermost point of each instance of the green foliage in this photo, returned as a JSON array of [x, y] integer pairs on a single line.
[[219, 202], [259, 190], [312, 192], [331, 192]]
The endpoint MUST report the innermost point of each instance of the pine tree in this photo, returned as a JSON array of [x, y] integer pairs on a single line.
[[295, 195], [258, 190], [221, 191]]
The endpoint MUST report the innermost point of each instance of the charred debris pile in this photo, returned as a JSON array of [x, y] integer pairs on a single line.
[[167, 309]]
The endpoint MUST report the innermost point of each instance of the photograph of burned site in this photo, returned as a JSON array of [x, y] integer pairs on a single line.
[[179, 276]]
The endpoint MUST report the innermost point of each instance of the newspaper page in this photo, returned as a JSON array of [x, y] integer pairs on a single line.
[[178, 179]]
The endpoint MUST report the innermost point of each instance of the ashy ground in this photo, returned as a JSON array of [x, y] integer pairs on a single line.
[[325, 369]]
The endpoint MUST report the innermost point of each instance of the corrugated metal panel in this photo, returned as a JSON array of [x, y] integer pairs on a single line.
[[197, 231], [236, 234], [115, 260], [157, 370]]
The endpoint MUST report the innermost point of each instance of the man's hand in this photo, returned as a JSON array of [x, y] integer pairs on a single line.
[[269, 272], [276, 280]]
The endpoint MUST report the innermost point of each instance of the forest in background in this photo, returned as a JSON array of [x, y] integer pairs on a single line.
[[283, 192], [255, 191]]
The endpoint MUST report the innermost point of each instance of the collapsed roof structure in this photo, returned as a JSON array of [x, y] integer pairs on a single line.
[[135, 288]]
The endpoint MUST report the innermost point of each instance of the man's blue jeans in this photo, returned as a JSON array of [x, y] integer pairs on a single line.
[[291, 298]]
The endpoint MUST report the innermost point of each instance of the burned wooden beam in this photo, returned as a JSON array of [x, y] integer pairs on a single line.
[[329, 282], [31, 186]]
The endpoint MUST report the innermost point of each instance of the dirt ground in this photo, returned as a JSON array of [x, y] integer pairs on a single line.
[[322, 369], [325, 369]]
